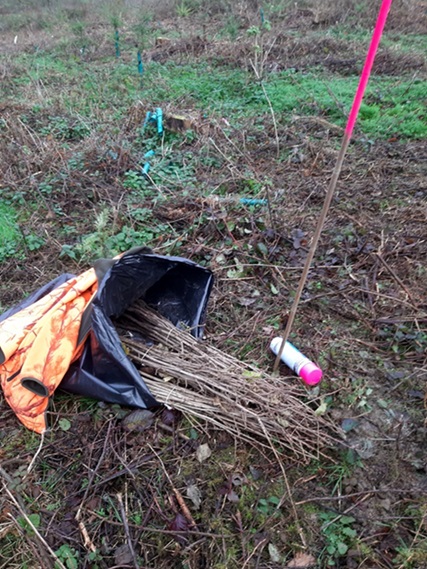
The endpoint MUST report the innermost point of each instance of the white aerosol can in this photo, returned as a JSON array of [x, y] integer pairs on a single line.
[[308, 371]]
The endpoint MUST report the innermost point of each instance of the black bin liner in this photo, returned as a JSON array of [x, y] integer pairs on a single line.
[[177, 288]]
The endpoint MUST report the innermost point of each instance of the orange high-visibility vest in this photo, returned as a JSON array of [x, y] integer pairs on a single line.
[[38, 344]]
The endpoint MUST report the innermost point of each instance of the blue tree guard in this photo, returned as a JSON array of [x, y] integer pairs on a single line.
[[140, 65], [146, 167], [156, 118]]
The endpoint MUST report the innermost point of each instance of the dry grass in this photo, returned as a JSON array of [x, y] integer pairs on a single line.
[[34, 15]]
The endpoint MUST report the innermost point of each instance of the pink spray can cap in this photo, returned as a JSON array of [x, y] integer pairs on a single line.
[[310, 373]]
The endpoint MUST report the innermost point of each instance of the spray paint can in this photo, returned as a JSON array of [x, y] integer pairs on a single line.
[[308, 371]]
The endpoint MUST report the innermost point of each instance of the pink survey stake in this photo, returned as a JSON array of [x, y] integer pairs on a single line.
[[364, 77]]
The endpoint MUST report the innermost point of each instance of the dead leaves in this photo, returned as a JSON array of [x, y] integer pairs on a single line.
[[194, 494], [203, 452], [302, 561], [138, 421]]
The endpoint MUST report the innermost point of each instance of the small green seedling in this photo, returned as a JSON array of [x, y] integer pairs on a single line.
[[338, 534]]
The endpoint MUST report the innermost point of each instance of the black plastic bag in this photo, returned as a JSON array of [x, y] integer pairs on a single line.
[[177, 288]]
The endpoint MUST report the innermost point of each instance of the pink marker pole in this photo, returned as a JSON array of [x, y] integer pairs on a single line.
[[367, 68], [364, 78]]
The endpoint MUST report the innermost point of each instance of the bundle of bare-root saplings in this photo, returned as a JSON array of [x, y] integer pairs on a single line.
[[198, 379]]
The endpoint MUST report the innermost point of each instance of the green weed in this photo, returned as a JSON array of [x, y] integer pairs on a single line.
[[404, 339], [334, 474], [410, 557], [107, 240], [338, 534], [65, 129], [30, 522], [268, 505], [68, 555], [184, 9], [391, 107], [393, 39], [13, 241], [9, 233], [231, 27]]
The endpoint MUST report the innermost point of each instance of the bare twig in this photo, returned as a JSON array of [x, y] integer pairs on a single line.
[[178, 495], [352, 495], [321, 122], [238, 519], [396, 279], [288, 491], [381, 295], [88, 543], [131, 468], [18, 503], [43, 558], [260, 545], [345, 512], [30, 467], [126, 528], [184, 507], [273, 117], [144, 528], [414, 541]]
